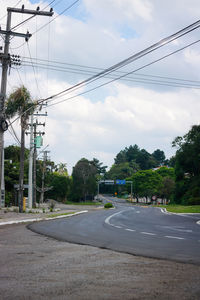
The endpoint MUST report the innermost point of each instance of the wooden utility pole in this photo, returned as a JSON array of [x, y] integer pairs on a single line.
[[6, 61]]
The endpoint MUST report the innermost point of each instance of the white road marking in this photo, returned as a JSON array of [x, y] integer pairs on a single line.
[[148, 233], [174, 237], [117, 226], [138, 212], [130, 229], [107, 220]]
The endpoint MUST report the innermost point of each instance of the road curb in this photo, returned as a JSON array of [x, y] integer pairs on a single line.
[[41, 219]]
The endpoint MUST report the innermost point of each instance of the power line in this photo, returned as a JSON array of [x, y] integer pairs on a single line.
[[24, 21], [70, 6], [39, 102], [132, 58], [171, 83], [109, 70], [33, 69], [147, 65], [86, 70]]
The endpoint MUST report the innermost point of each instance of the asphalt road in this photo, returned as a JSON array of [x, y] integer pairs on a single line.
[[137, 230]]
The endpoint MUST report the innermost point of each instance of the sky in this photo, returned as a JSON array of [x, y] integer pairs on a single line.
[[149, 108]]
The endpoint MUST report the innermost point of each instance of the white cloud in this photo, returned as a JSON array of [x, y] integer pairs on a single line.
[[104, 122]]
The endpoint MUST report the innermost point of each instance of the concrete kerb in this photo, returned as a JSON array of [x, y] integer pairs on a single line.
[[42, 218]]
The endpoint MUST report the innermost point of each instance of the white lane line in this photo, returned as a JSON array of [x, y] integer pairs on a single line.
[[198, 222], [130, 229], [107, 220], [148, 233], [174, 237], [117, 226]]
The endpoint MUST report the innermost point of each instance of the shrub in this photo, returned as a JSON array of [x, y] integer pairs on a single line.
[[194, 201], [108, 205]]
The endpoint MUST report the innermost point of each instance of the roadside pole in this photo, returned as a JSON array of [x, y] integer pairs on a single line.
[[6, 62], [30, 171]]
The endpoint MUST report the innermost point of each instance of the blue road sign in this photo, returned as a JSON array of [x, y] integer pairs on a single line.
[[119, 181]]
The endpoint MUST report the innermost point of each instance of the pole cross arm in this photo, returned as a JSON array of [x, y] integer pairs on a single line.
[[30, 12], [25, 35]]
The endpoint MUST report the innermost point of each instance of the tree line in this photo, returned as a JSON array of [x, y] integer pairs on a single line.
[[176, 179]]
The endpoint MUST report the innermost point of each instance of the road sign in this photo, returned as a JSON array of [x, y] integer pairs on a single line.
[[119, 181], [107, 181]]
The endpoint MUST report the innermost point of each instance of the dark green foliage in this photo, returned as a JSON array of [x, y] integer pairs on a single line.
[[11, 171], [13, 153], [187, 166], [144, 160], [108, 205], [101, 170], [159, 156], [84, 182], [61, 186], [122, 170]]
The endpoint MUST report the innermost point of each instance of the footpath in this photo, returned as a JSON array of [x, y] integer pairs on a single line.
[[11, 215]]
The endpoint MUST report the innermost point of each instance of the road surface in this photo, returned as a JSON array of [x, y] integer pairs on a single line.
[[138, 230]]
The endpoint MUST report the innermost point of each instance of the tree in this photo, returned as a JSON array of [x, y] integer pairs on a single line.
[[19, 102], [146, 183], [187, 166], [83, 180], [167, 188], [62, 169], [122, 170], [101, 170], [140, 156], [159, 156], [61, 186]]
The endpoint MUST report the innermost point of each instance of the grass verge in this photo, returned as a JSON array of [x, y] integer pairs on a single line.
[[181, 208], [61, 214]]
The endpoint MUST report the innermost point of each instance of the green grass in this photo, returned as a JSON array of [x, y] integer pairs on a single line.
[[181, 208], [83, 203], [61, 214]]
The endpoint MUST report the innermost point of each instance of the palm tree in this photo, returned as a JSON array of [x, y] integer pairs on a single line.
[[20, 103]]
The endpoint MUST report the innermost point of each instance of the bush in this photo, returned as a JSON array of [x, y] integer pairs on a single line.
[[193, 201], [108, 205]]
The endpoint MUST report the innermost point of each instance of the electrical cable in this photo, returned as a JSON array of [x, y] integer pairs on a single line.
[[147, 65], [70, 6], [133, 79], [89, 71], [33, 69], [132, 58], [39, 102]]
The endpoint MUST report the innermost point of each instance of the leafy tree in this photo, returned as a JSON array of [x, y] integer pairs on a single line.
[[122, 170], [133, 154], [62, 169], [13, 153], [19, 102], [187, 166], [166, 172], [83, 180], [61, 186], [159, 156], [146, 183], [101, 170], [167, 188], [11, 171]]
